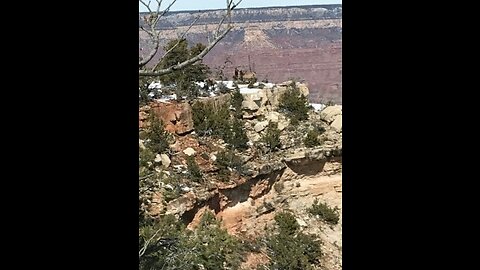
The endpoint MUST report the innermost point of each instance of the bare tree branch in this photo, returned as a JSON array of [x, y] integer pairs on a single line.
[[145, 245], [238, 3], [145, 177], [146, 5], [164, 11], [155, 36], [150, 56], [152, 21], [176, 44], [187, 62], [228, 14]]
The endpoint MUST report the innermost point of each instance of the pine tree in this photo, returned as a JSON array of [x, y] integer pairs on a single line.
[[184, 79]]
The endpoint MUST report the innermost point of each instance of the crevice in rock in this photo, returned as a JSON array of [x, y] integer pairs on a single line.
[[212, 203], [242, 192]]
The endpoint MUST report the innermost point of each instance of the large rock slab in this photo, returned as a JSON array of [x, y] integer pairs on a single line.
[[329, 113], [176, 116], [260, 126], [337, 123]]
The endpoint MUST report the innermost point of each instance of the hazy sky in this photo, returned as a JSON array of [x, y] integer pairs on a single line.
[[217, 4]]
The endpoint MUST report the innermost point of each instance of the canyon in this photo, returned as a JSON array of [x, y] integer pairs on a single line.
[[289, 179], [277, 43]]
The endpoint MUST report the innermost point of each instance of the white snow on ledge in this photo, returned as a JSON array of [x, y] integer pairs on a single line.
[[249, 90], [318, 106]]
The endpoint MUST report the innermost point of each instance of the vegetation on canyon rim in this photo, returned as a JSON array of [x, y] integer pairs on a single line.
[[164, 241], [325, 212]]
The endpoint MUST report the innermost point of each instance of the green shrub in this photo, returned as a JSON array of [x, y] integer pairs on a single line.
[[166, 244], [194, 172], [157, 138], [226, 160], [279, 186], [291, 249], [286, 222], [312, 139], [143, 84], [205, 156], [271, 137], [211, 121], [159, 242], [183, 78], [212, 246], [145, 159], [201, 116], [236, 102], [222, 88], [237, 136], [325, 212], [171, 194], [294, 104], [319, 129]]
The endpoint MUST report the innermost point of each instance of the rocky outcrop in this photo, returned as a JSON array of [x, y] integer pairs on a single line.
[[189, 151], [333, 116], [337, 123], [260, 126], [165, 160], [246, 196], [264, 102], [329, 113], [176, 116]]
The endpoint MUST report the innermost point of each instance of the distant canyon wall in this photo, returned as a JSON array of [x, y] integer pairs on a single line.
[[277, 43]]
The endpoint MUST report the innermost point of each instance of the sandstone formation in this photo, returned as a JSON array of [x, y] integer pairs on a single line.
[[176, 116], [290, 178]]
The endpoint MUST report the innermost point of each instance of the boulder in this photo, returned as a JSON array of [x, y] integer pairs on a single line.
[[141, 145], [337, 123], [275, 94], [261, 126], [177, 117], [189, 151], [253, 137], [249, 104], [272, 116], [301, 223], [329, 113], [282, 124], [248, 116], [303, 89], [165, 160]]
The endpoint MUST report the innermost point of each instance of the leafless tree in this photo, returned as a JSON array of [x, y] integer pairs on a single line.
[[152, 19]]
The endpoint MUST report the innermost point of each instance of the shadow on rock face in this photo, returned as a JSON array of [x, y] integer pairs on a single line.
[[254, 188], [306, 167]]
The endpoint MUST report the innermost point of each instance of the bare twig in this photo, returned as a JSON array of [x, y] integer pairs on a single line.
[[155, 36], [228, 15], [187, 62], [178, 42], [145, 177], [182, 37], [146, 5], [152, 32], [145, 245]]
